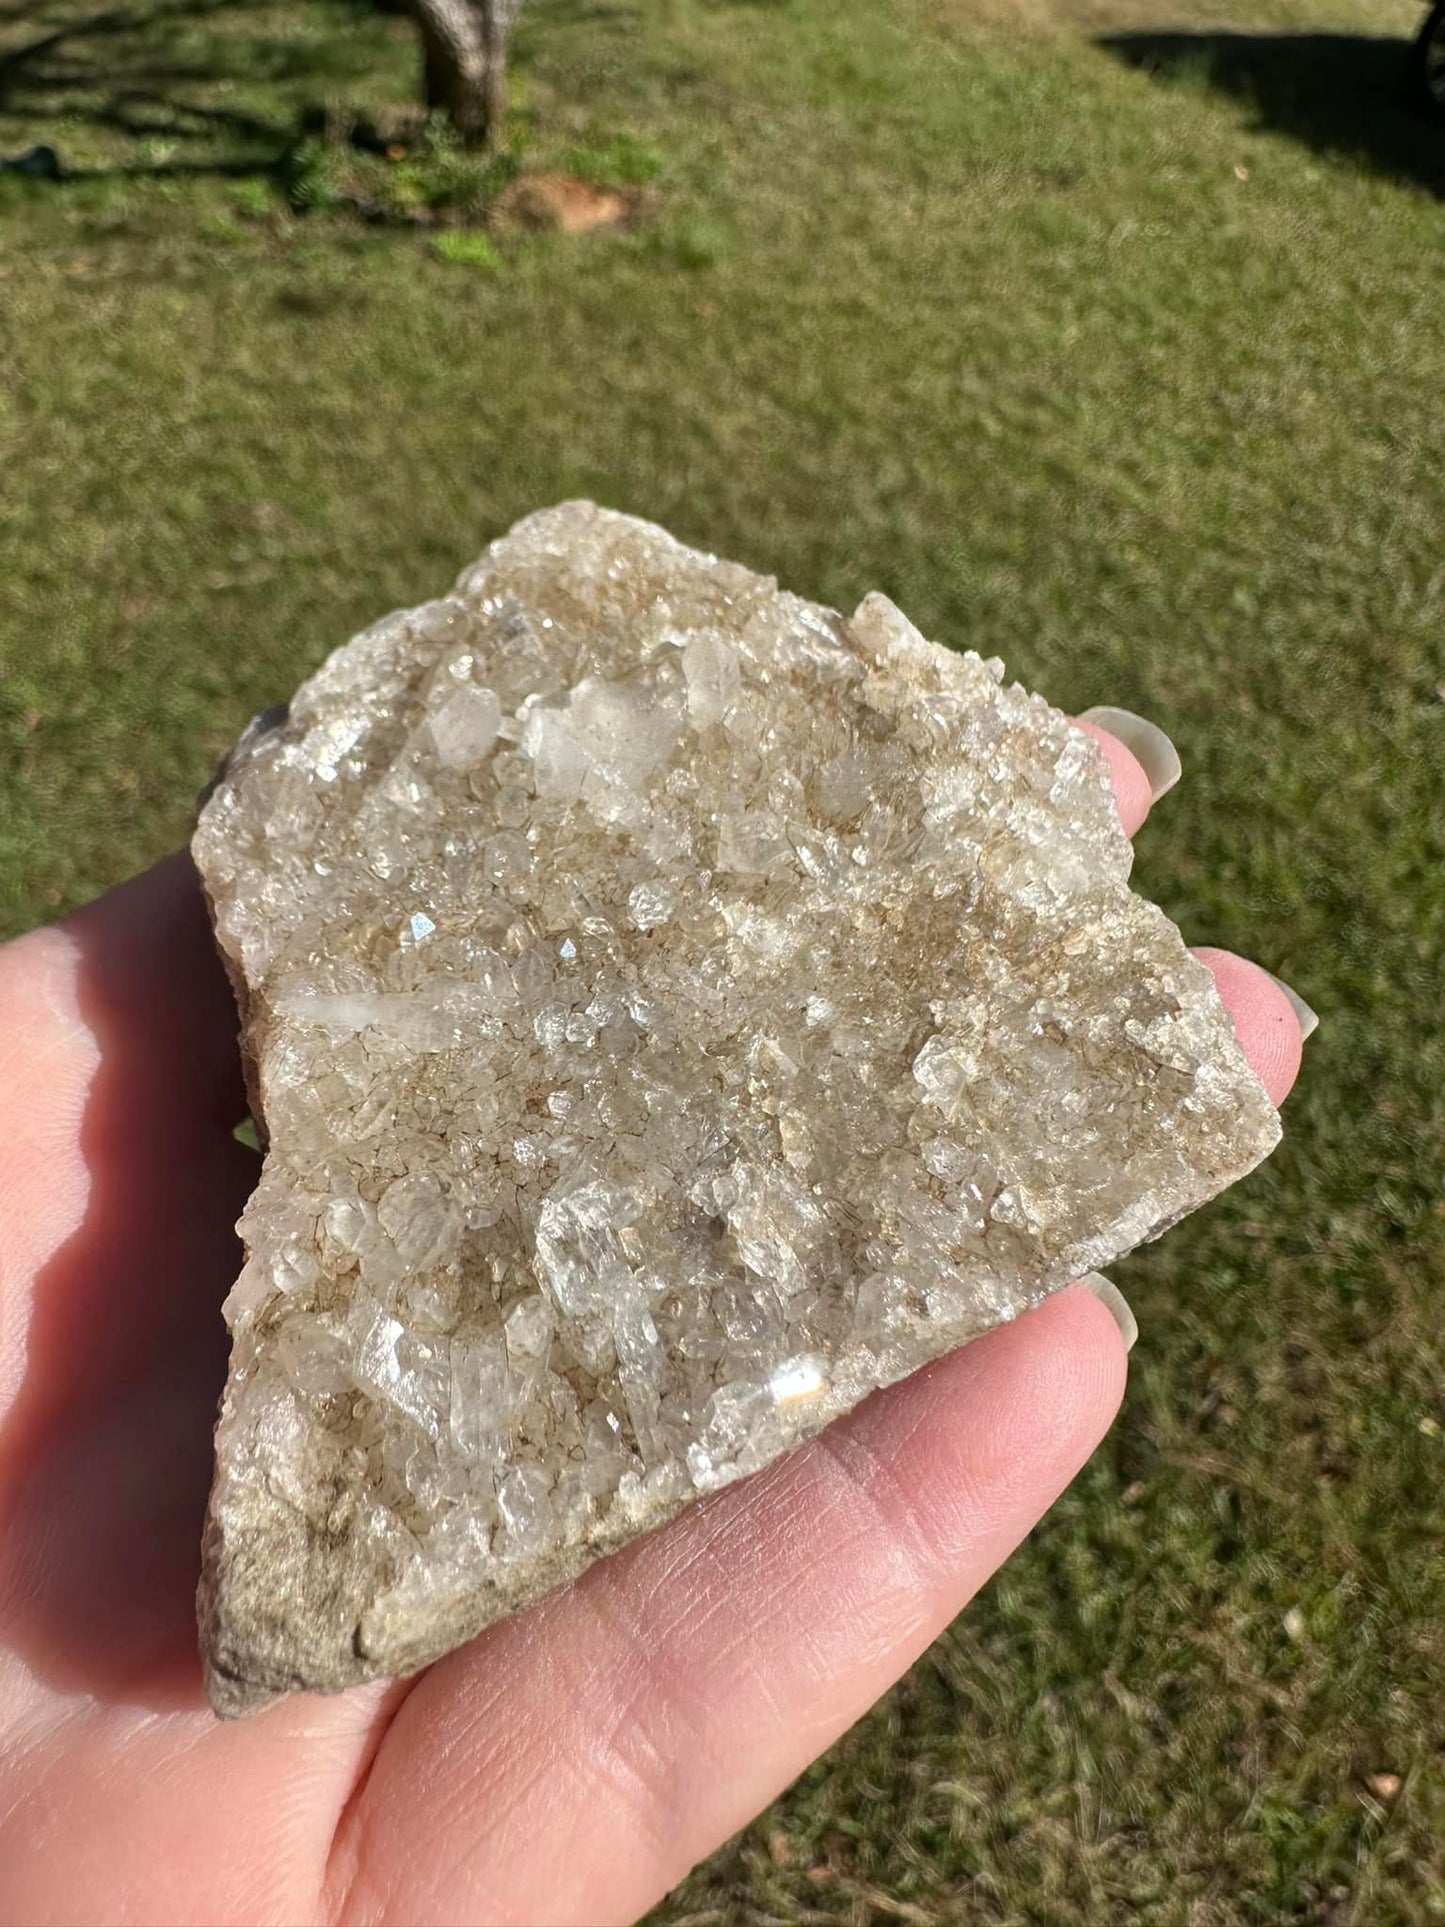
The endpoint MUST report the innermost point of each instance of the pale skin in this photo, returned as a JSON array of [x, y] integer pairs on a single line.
[[571, 1764]]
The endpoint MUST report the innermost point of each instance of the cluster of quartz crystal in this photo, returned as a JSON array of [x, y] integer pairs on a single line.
[[674, 1010]]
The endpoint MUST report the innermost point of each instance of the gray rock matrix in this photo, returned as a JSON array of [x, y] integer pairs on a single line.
[[673, 1010]]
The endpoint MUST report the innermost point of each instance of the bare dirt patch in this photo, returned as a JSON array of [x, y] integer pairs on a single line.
[[563, 204]]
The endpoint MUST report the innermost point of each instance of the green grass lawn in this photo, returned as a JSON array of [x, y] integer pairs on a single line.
[[1132, 374]]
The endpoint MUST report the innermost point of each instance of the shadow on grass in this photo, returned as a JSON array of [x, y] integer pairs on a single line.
[[1336, 93], [138, 72]]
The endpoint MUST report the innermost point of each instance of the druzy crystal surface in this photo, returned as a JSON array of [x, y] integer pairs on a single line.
[[673, 1010]]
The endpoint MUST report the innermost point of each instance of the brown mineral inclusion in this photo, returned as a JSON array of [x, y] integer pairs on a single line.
[[673, 1010]]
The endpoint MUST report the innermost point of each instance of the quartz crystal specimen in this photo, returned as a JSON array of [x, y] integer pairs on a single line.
[[672, 1010]]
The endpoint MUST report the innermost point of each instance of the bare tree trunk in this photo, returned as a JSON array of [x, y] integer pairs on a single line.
[[498, 19], [464, 51]]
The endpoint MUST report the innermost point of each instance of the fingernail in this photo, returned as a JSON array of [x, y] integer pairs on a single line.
[[1309, 1020], [1150, 747], [1115, 1303]]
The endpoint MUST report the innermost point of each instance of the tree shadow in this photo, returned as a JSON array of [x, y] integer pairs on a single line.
[[1338, 94], [151, 72]]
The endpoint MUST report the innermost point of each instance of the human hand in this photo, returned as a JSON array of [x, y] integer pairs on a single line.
[[572, 1763]]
